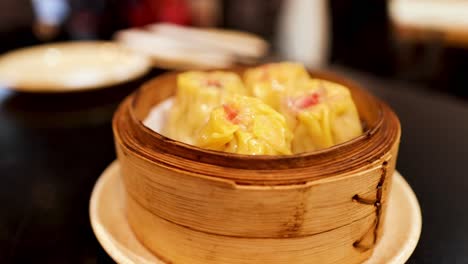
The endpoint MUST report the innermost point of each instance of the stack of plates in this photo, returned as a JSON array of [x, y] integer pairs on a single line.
[[178, 47]]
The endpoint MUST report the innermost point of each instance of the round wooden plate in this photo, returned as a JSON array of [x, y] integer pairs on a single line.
[[70, 66], [401, 231]]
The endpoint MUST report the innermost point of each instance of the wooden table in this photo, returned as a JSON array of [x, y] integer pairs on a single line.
[[53, 148]]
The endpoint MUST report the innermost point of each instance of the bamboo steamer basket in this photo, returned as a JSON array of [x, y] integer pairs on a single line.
[[191, 205]]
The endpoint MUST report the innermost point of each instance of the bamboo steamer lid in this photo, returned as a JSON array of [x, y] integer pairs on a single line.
[[191, 205]]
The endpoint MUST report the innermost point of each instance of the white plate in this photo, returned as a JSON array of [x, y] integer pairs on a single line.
[[70, 66], [401, 231]]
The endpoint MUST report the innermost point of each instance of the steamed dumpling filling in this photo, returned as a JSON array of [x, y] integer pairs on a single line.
[[279, 111]]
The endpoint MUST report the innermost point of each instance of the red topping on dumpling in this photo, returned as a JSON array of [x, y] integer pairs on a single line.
[[307, 101], [265, 72], [231, 113], [212, 82]]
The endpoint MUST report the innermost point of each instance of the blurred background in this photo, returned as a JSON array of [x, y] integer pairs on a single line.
[[418, 41], [53, 146]]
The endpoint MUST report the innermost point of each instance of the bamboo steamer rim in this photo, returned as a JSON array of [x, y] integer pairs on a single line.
[[381, 132]]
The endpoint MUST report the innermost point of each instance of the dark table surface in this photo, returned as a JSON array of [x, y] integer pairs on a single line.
[[54, 147]]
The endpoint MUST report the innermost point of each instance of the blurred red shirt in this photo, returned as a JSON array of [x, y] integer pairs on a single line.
[[144, 12]]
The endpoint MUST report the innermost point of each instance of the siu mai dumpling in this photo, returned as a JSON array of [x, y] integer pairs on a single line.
[[197, 94], [268, 82], [246, 125], [320, 114]]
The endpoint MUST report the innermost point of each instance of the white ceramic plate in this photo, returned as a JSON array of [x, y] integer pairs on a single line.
[[401, 231], [188, 48], [70, 66]]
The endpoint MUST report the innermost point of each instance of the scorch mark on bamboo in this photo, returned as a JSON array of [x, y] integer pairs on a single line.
[[378, 210], [294, 225]]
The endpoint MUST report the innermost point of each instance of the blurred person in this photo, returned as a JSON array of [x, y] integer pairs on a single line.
[[100, 19], [143, 12]]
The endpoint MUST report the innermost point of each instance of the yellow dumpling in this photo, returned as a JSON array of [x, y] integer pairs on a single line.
[[268, 82], [246, 125], [320, 114], [197, 94]]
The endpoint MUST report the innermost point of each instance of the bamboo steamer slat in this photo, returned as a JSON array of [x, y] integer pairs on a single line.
[[189, 205], [185, 245]]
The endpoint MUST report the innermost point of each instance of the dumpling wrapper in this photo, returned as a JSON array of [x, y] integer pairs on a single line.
[[246, 125], [270, 81], [197, 94], [320, 114]]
